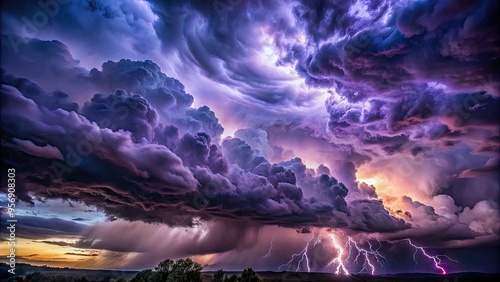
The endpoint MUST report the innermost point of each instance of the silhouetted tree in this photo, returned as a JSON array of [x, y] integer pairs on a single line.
[[248, 275], [182, 270], [232, 278], [185, 270], [164, 268], [147, 275], [218, 276]]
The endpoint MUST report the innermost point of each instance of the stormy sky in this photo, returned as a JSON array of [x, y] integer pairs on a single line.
[[240, 133]]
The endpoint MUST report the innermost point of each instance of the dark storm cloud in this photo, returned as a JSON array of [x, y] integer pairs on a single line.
[[52, 101], [422, 72], [90, 150], [454, 43], [166, 93], [137, 77], [326, 191], [171, 186], [198, 150], [144, 78], [77, 20], [202, 119], [424, 115], [258, 140], [372, 216], [20, 56], [218, 39], [324, 19], [121, 110], [226, 42], [35, 227], [238, 152]]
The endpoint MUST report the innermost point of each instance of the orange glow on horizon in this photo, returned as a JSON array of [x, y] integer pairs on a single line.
[[40, 253]]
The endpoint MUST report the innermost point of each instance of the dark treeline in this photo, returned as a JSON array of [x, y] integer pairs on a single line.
[[181, 270]]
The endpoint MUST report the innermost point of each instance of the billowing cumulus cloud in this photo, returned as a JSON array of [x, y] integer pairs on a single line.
[[116, 132], [166, 93], [404, 74], [144, 78], [136, 116], [421, 42]]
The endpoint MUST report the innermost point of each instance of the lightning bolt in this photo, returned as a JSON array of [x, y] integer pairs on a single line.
[[365, 253], [270, 248], [350, 250], [448, 258], [435, 259], [370, 255], [378, 256], [338, 260], [302, 255]]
